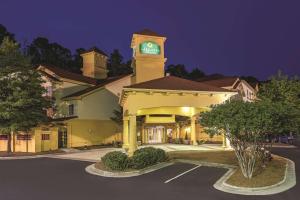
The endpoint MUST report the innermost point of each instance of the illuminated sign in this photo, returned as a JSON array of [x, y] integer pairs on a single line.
[[150, 48]]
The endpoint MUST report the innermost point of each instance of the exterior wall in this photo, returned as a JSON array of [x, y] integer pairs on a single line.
[[46, 145], [3, 145], [117, 86], [142, 100], [61, 90], [92, 132], [246, 91], [147, 67], [97, 106], [36, 144], [94, 65]]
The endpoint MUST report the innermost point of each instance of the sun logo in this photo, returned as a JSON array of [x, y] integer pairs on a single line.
[[149, 45]]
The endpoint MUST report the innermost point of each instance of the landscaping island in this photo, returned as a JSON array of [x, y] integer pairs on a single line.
[[273, 172]]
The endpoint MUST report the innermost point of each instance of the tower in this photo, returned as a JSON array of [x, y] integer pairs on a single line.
[[94, 63], [148, 56]]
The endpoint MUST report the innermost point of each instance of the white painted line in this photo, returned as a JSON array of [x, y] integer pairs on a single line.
[[167, 181]]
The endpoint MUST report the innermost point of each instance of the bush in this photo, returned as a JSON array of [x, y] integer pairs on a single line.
[[147, 156], [115, 160]]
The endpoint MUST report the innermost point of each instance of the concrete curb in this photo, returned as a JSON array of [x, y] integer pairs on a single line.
[[21, 157], [91, 169], [287, 183]]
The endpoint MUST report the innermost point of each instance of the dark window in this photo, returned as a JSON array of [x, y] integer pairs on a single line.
[[3, 137], [45, 136], [24, 137], [71, 109]]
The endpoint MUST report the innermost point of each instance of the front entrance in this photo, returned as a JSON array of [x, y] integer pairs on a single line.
[[62, 138], [154, 134]]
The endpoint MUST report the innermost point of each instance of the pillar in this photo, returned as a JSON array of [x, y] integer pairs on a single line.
[[132, 135], [224, 141], [125, 133], [193, 130]]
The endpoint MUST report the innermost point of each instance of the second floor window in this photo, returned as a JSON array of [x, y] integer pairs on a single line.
[[71, 109]]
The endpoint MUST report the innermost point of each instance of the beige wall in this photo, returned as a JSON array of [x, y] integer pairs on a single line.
[[147, 67], [97, 106], [116, 87], [92, 132], [140, 100]]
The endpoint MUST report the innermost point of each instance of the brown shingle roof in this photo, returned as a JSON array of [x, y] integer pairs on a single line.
[[175, 83], [221, 82], [148, 32], [90, 89], [70, 75]]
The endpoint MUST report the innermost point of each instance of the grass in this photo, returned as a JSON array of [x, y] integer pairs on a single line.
[[271, 174], [222, 157]]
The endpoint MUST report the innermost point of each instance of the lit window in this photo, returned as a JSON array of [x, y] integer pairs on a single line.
[[45, 136]]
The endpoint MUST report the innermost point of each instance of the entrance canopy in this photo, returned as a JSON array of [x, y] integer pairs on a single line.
[[163, 99]]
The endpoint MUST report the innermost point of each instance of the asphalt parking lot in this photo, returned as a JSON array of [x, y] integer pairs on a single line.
[[49, 178]]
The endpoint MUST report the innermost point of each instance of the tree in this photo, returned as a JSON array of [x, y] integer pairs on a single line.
[[116, 66], [284, 94], [22, 105], [43, 52], [245, 125], [177, 70], [4, 33], [195, 74]]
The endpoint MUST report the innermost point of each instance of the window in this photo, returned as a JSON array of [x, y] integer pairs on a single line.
[[71, 109], [3, 137], [49, 91], [45, 136], [24, 137]]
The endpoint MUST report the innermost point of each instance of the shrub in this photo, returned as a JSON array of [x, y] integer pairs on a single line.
[[147, 156], [115, 160]]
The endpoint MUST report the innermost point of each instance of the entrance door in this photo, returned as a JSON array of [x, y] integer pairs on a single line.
[[62, 138], [155, 134]]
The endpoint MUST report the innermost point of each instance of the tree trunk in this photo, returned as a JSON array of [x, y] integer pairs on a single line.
[[9, 143]]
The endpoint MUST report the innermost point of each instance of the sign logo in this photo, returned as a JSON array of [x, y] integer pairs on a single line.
[[150, 48]]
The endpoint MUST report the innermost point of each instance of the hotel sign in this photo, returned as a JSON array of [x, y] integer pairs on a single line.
[[150, 48]]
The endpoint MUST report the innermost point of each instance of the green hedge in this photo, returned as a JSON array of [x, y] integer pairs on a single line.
[[115, 160], [147, 156]]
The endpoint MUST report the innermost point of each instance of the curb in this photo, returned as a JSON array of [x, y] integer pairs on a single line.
[[287, 183], [21, 157], [94, 171]]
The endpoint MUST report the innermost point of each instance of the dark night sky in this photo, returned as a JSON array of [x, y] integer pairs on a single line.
[[233, 37]]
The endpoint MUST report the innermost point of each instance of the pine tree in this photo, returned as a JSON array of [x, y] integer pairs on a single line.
[[22, 104]]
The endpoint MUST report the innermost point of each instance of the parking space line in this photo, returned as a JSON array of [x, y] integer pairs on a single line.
[[183, 173]]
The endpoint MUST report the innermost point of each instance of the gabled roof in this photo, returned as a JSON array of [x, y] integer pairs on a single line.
[[176, 83], [148, 32], [69, 75], [221, 82], [90, 89]]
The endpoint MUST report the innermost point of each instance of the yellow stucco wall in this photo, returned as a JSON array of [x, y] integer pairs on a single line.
[[141, 100], [147, 67], [92, 132], [36, 144]]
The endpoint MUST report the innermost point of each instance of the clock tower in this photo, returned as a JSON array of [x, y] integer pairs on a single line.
[[148, 61]]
